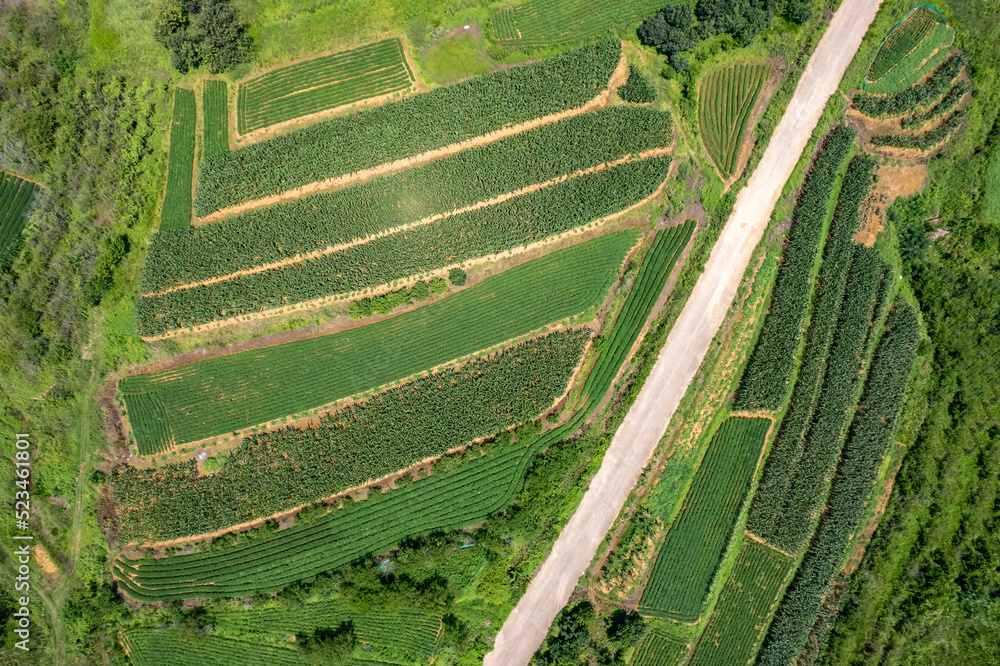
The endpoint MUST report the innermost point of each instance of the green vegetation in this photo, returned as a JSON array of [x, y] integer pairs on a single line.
[[869, 441], [430, 247], [765, 381], [579, 636], [203, 32], [924, 59], [353, 446], [112, 254], [929, 140], [456, 58], [322, 83], [149, 647], [462, 180], [215, 108], [991, 197], [725, 99], [906, 46], [637, 89], [540, 23], [912, 99], [16, 199], [402, 129], [697, 540], [658, 650], [223, 394], [176, 213], [746, 604], [939, 110], [503, 22]]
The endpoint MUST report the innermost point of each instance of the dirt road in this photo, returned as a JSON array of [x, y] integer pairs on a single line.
[[686, 345]]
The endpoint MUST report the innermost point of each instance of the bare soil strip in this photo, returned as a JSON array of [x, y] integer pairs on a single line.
[[754, 537], [340, 247], [601, 100]]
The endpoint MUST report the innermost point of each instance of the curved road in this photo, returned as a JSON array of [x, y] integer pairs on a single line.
[[682, 353]]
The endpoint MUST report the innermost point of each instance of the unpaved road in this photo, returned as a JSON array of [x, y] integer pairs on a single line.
[[685, 346]]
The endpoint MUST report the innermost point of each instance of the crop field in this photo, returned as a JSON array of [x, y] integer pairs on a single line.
[[401, 129], [176, 213], [391, 431], [658, 650], [697, 540], [747, 602], [152, 647], [941, 109], [215, 107], [224, 394], [923, 59], [906, 46], [470, 235], [458, 181], [322, 83], [725, 99], [919, 96], [540, 23], [16, 198], [765, 381]]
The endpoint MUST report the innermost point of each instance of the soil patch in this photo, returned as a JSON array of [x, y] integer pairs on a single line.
[[894, 181]]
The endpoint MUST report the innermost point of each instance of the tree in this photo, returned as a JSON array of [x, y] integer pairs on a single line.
[[197, 32], [799, 11], [457, 277], [329, 646]]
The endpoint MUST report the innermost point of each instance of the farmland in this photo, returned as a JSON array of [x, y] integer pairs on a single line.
[[220, 395], [914, 46], [176, 213], [540, 23], [16, 199], [149, 647], [401, 129], [725, 100], [746, 604], [322, 83], [215, 108], [390, 431], [658, 650], [920, 95], [690, 555]]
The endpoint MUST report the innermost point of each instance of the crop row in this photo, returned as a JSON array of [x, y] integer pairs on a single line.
[[176, 213], [219, 395], [381, 134], [939, 110], [504, 25], [746, 604], [871, 435], [615, 345], [920, 95], [553, 22], [436, 245], [461, 180], [215, 108], [658, 650], [922, 60], [153, 647], [690, 556], [767, 511], [765, 381], [276, 471], [16, 197], [322, 83], [926, 141], [725, 100], [809, 475], [903, 39]]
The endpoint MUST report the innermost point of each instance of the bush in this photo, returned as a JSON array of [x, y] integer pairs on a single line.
[[115, 249], [457, 276], [420, 292], [637, 89], [438, 286]]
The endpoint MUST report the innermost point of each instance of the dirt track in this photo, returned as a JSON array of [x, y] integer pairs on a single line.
[[685, 346]]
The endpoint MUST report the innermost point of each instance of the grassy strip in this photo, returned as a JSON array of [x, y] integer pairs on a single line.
[[176, 213]]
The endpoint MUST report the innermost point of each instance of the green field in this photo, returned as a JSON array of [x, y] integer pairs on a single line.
[[745, 607], [220, 395], [358, 444], [322, 83], [541, 23], [658, 650], [907, 45], [689, 557], [176, 213], [725, 100], [16, 198], [215, 108]]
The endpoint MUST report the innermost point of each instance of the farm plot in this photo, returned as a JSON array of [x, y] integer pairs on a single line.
[[687, 562], [433, 246], [916, 97], [322, 83], [176, 213], [215, 108], [539, 23], [468, 178], [907, 52], [391, 431], [220, 395], [16, 198], [658, 650], [725, 99], [747, 602], [151, 647], [415, 125]]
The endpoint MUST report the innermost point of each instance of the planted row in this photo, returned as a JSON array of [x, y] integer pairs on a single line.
[[552, 22], [176, 213], [215, 108], [152, 647], [920, 95], [929, 140], [461, 180], [919, 62], [483, 232], [939, 110], [658, 650], [725, 99], [764, 384], [871, 435], [16, 198], [378, 135], [902, 40]]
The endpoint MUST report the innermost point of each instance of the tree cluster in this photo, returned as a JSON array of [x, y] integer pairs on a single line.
[[583, 636], [200, 32]]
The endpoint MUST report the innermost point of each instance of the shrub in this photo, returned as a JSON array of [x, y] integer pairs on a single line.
[[457, 277]]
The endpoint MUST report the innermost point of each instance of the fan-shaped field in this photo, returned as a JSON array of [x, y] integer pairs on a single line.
[[725, 100]]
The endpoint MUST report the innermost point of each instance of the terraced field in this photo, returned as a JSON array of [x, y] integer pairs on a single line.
[[16, 198], [913, 48], [322, 83], [725, 100]]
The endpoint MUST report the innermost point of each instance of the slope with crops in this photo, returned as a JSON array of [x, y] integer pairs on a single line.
[[725, 100], [914, 47]]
